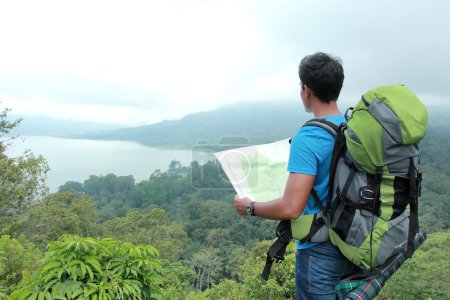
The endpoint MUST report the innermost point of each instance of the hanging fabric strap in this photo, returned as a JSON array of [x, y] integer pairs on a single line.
[[414, 183], [375, 208], [278, 249]]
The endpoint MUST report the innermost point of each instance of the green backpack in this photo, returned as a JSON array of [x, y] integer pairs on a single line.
[[371, 209]]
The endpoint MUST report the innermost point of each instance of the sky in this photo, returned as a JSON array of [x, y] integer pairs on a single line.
[[141, 62]]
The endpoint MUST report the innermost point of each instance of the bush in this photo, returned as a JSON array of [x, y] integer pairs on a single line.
[[87, 268]]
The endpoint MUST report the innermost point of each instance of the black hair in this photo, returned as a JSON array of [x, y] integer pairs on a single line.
[[323, 74]]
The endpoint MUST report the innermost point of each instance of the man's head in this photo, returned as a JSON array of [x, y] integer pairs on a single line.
[[323, 74]]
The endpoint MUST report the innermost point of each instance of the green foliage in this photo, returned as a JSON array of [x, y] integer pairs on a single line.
[[59, 213], [112, 195], [179, 219], [425, 276], [206, 264], [152, 228], [178, 280], [22, 179], [17, 259], [434, 205], [227, 289], [87, 268], [281, 283], [435, 149], [115, 195], [204, 243], [6, 125], [72, 186]]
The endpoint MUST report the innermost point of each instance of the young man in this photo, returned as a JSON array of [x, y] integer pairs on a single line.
[[319, 266]]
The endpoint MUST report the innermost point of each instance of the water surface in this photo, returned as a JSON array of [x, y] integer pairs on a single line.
[[75, 159]]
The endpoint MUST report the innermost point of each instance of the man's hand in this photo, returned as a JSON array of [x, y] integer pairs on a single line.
[[289, 207], [241, 205]]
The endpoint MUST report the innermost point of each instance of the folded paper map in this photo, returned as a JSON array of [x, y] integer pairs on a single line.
[[258, 172]]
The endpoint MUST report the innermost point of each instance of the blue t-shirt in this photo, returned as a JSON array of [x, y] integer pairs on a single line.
[[310, 154]]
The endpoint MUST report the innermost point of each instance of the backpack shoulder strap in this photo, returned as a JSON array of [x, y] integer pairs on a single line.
[[324, 124], [335, 130], [332, 128], [284, 231]]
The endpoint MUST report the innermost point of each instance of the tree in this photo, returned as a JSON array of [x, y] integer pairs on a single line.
[[22, 179], [281, 283], [174, 166], [152, 228], [18, 258], [178, 280], [57, 214], [72, 186], [207, 265], [112, 195], [87, 268], [227, 289]]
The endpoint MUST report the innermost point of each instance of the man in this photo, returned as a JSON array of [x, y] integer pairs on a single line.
[[319, 266]]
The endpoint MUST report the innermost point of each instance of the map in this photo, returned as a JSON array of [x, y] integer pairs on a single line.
[[258, 172]]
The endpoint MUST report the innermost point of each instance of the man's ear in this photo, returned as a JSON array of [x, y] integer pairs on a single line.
[[308, 91]]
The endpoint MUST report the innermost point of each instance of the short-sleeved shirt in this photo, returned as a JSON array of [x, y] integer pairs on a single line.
[[310, 153]]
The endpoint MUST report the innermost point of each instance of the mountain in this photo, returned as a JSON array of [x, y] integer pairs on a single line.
[[256, 122], [438, 115], [252, 122]]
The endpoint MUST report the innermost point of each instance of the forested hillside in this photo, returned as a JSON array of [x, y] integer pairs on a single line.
[[170, 238], [258, 122]]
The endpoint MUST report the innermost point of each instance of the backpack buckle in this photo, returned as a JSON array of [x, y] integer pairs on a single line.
[[285, 235], [277, 259], [367, 194]]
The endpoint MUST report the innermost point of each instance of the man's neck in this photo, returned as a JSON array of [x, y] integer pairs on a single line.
[[322, 109]]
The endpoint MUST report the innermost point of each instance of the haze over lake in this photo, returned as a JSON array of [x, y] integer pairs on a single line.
[[76, 159]]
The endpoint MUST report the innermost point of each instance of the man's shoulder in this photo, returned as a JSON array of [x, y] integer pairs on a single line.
[[336, 119], [316, 138], [313, 128], [311, 137], [308, 132]]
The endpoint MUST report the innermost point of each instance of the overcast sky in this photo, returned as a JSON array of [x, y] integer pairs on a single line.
[[139, 62]]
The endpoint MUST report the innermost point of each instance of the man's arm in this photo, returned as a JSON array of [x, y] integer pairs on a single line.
[[290, 206]]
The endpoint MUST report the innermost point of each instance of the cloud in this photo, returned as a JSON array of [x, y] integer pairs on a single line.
[[379, 41], [101, 113], [167, 58], [66, 88]]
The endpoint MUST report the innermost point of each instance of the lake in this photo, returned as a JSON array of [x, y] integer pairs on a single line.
[[76, 159]]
